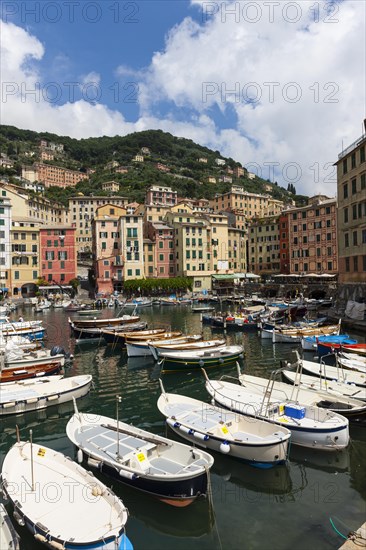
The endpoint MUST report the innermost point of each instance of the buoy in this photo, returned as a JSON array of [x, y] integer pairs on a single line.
[[80, 456], [128, 475], [18, 518], [185, 429], [55, 544], [202, 437], [201, 363], [97, 491], [40, 537], [225, 447]]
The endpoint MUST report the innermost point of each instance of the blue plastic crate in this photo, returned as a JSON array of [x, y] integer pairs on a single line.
[[295, 411]]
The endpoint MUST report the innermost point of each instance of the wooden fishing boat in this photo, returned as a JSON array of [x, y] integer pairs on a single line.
[[88, 516], [351, 364], [179, 360], [311, 343], [153, 334], [18, 358], [137, 348], [94, 331], [258, 443], [168, 470], [202, 309], [117, 337], [108, 322], [157, 347], [324, 348], [8, 536], [10, 374], [39, 393], [291, 336]]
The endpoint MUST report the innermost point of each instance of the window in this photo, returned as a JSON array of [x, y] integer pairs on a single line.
[[318, 252], [129, 272], [345, 190], [49, 277], [62, 265], [35, 274], [363, 236], [161, 244], [304, 226], [16, 273], [354, 212], [354, 239], [317, 225], [161, 257], [294, 216], [329, 250], [50, 255], [328, 223], [329, 236], [354, 186], [363, 181], [330, 266], [362, 154], [49, 265], [49, 243], [150, 258], [355, 263], [345, 215], [62, 255], [295, 241], [347, 264], [188, 241], [188, 254], [317, 212], [346, 240], [104, 245], [317, 238], [305, 239], [295, 228], [151, 269], [345, 166], [138, 272], [353, 160], [161, 269]]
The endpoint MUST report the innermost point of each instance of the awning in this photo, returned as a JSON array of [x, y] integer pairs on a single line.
[[222, 277], [246, 276]]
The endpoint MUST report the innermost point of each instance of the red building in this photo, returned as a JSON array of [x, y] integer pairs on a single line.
[[163, 235], [58, 259]]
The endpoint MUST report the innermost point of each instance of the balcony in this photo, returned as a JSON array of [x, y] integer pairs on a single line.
[[352, 146]]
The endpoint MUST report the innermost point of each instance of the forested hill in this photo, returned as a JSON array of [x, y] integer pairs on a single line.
[[167, 160]]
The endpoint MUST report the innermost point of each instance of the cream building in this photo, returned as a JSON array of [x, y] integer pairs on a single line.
[[24, 242]]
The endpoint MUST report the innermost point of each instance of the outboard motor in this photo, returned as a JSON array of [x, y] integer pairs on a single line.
[[58, 350]]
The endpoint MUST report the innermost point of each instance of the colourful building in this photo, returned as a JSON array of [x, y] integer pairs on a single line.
[[58, 257]]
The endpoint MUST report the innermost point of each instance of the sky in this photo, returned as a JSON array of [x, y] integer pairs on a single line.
[[277, 85]]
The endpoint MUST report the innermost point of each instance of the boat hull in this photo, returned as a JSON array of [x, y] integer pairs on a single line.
[[11, 374]]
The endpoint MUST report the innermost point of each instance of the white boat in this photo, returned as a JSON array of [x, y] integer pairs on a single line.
[[351, 364], [352, 409], [294, 335], [310, 426], [61, 504], [334, 373], [140, 348], [43, 305], [173, 472], [9, 539], [15, 356], [332, 386], [266, 333], [34, 394], [179, 360], [202, 309], [158, 347], [361, 359], [258, 443]]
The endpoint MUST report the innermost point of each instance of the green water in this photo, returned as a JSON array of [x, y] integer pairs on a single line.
[[286, 507]]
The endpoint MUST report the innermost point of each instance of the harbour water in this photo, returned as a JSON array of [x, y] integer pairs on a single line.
[[286, 507]]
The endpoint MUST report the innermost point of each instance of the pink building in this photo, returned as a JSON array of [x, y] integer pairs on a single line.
[[106, 244], [58, 253], [163, 236], [161, 195]]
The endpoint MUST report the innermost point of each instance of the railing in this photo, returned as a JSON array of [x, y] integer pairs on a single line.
[[351, 147]]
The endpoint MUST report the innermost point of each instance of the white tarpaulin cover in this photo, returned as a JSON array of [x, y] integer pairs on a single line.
[[354, 310]]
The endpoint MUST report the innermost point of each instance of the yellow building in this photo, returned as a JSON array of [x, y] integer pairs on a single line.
[[24, 241], [35, 208], [351, 189], [264, 246], [251, 204]]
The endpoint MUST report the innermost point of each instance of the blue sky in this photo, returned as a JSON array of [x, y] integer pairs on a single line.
[[277, 86]]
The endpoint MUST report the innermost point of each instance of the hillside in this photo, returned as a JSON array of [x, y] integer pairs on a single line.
[[180, 167]]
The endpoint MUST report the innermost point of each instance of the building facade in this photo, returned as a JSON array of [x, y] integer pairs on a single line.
[[351, 189], [162, 235], [313, 242], [252, 205], [161, 195], [50, 174], [264, 246], [5, 248], [24, 241], [58, 258], [82, 212]]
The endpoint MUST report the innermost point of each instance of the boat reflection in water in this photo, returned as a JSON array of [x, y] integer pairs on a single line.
[[322, 460], [191, 521], [237, 480]]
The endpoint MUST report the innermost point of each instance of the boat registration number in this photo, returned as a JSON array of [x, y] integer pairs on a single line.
[[41, 452], [224, 430], [141, 457]]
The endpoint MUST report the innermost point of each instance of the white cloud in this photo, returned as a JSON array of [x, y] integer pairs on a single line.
[[323, 62], [307, 76]]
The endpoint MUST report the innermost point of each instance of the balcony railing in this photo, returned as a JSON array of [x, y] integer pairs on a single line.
[[352, 146]]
